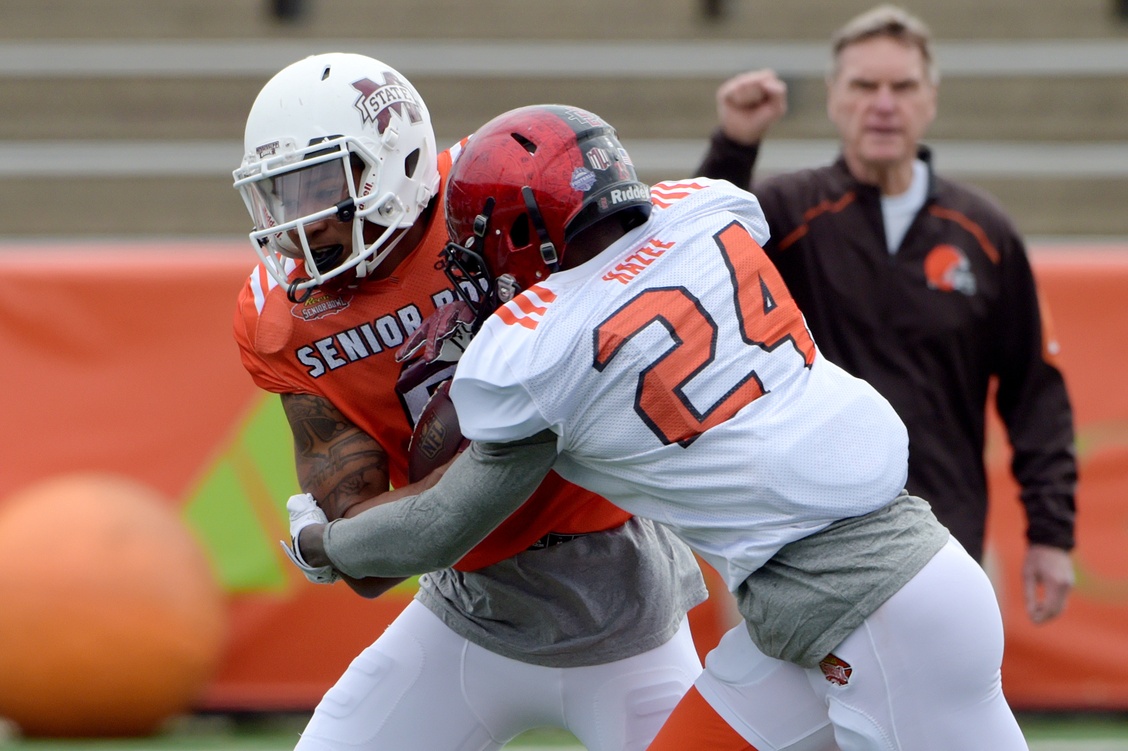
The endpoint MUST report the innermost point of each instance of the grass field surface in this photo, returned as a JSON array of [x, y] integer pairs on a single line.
[[1045, 732]]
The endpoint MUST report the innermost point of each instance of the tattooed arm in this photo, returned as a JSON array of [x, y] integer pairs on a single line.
[[343, 467]]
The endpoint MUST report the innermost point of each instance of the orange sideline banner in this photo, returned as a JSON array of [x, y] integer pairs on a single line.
[[120, 359], [1079, 660]]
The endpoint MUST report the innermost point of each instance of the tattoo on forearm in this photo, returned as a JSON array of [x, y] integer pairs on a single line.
[[336, 460]]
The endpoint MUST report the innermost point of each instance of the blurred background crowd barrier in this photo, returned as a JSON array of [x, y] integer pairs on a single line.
[[124, 118]]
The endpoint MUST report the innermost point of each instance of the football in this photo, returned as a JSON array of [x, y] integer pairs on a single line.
[[436, 438]]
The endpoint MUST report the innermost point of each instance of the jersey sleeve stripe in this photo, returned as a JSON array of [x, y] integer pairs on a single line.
[[509, 318], [811, 214], [544, 293], [976, 231], [259, 283], [664, 194]]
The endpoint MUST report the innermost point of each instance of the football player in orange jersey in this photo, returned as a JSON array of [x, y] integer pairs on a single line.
[[532, 628]]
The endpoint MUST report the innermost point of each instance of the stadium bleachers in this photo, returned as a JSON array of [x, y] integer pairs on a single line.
[[124, 117]]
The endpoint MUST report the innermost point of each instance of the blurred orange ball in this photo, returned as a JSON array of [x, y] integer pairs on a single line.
[[111, 619]]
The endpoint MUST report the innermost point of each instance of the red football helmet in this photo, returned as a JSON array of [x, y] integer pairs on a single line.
[[525, 185]]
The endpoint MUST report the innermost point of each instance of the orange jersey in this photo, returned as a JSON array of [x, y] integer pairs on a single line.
[[341, 346]]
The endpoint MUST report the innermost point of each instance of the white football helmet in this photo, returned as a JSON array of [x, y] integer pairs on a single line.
[[339, 136]]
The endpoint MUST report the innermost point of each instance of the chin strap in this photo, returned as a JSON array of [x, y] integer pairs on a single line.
[[547, 249], [299, 296]]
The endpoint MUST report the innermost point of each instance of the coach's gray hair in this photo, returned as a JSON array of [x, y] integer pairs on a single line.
[[886, 21]]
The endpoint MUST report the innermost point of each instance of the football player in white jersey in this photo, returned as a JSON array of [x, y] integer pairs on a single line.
[[645, 348]]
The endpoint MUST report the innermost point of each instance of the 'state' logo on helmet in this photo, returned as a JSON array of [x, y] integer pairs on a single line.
[[377, 101]]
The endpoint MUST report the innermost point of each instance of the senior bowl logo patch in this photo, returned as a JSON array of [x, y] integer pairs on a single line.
[[378, 100], [836, 670], [947, 269], [319, 306]]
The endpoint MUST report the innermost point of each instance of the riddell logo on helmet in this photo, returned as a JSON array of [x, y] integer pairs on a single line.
[[377, 101], [634, 193]]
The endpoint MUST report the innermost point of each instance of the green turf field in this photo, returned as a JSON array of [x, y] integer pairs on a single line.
[[1046, 732]]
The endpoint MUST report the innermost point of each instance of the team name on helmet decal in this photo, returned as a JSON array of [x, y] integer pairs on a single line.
[[598, 158], [582, 179], [378, 100]]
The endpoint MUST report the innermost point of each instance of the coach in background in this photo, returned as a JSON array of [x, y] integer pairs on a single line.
[[918, 284]]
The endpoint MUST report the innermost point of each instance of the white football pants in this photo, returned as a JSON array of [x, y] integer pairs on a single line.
[[920, 674], [421, 686]]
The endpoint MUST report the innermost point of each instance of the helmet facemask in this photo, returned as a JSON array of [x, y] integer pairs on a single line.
[[466, 269], [287, 192]]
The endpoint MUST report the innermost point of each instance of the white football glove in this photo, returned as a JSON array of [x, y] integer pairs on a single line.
[[304, 511]]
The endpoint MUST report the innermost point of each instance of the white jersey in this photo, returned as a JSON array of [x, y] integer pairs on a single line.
[[684, 386]]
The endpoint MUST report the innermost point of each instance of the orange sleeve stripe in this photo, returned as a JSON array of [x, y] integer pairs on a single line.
[[528, 306], [832, 207], [544, 293], [664, 194], [508, 318], [976, 231]]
